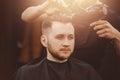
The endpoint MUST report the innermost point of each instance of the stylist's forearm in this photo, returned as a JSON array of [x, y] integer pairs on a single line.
[[31, 13]]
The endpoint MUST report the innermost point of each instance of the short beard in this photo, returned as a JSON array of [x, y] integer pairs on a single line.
[[56, 56]]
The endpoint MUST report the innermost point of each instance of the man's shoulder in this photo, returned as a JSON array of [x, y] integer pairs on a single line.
[[83, 70], [35, 64], [80, 64], [31, 70]]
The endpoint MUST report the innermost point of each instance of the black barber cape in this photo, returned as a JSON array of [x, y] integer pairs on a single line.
[[47, 70]]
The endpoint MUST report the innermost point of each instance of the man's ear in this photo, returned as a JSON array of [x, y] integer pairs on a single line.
[[44, 40]]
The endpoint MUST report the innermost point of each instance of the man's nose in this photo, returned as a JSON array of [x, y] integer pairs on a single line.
[[66, 43]]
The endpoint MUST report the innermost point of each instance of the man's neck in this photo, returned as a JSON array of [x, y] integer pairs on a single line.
[[51, 58], [56, 60]]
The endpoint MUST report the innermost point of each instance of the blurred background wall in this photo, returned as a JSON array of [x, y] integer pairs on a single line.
[[12, 30]]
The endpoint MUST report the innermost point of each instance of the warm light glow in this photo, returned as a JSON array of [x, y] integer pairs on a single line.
[[83, 4], [86, 3]]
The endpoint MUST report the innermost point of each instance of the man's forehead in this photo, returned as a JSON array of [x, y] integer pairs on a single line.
[[62, 28]]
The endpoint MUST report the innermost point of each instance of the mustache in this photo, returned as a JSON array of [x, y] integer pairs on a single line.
[[65, 49]]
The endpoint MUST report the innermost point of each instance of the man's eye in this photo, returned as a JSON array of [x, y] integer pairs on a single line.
[[60, 37], [70, 37]]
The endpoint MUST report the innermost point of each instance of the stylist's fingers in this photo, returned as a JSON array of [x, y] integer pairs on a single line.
[[104, 29], [105, 35], [99, 27], [99, 32], [99, 22]]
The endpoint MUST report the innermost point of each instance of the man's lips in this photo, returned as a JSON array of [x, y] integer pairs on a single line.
[[65, 49]]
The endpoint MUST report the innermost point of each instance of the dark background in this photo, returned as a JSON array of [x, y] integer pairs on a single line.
[[12, 31]]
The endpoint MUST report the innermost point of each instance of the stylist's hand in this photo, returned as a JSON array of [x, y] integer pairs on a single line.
[[105, 30], [52, 10]]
